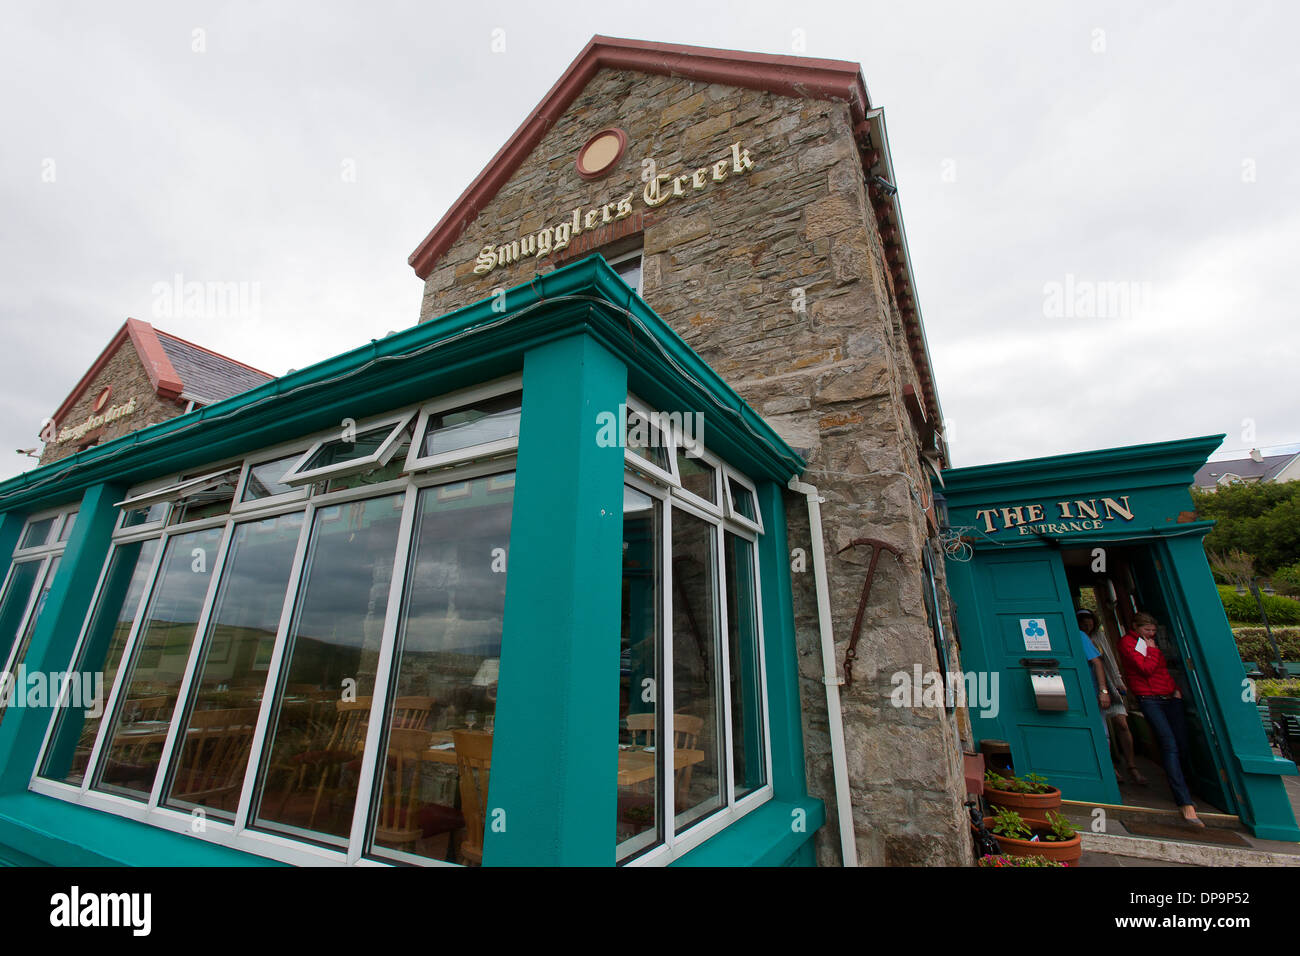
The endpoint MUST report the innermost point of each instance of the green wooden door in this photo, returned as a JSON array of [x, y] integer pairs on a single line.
[[1066, 746]]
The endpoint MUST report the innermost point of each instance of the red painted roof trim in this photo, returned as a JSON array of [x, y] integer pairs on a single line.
[[784, 75], [162, 374]]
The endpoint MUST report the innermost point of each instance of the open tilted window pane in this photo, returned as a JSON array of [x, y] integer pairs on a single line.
[[646, 441], [135, 740], [640, 801], [352, 451], [101, 652], [437, 759], [491, 420], [747, 750], [312, 760], [697, 476], [218, 731]]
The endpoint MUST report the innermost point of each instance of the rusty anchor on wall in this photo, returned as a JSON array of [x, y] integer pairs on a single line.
[[876, 546]]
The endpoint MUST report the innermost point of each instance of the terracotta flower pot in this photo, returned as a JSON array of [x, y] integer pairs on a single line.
[[1027, 805], [1064, 851]]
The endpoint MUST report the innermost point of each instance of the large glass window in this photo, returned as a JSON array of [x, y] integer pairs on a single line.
[[313, 756], [13, 606], [218, 731], [443, 701], [691, 719], [134, 744], [111, 621], [19, 654]]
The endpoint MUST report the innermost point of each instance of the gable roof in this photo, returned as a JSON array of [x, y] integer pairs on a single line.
[[176, 368], [1247, 469], [793, 76]]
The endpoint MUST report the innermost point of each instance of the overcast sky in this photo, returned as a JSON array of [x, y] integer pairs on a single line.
[[1102, 201]]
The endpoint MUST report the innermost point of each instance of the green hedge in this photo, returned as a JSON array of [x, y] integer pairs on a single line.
[[1252, 643], [1242, 607]]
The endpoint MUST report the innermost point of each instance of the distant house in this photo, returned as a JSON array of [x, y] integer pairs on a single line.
[[1248, 471], [143, 376]]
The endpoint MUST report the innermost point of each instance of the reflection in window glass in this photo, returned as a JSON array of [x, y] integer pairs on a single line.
[[747, 751], [697, 709], [134, 744], [208, 500], [490, 420], [110, 625], [338, 451], [313, 757], [18, 593], [37, 533], [147, 515], [377, 474], [446, 673], [264, 479], [236, 655], [66, 532], [697, 476], [646, 441], [26, 640], [742, 500], [640, 813]]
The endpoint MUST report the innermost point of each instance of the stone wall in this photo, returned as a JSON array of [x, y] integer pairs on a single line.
[[775, 277], [126, 373]]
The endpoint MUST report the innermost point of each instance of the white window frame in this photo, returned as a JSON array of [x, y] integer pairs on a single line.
[[666, 440], [297, 475], [716, 508], [52, 542], [637, 253], [417, 461], [733, 514], [293, 449], [694, 833], [176, 491]]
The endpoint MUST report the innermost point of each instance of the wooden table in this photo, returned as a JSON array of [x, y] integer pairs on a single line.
[[636, 766]]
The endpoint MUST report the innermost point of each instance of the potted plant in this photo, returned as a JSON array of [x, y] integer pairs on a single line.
[[1031, 795], [1054, 838]]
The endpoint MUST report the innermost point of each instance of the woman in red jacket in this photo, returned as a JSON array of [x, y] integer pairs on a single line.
[[1162, 705]]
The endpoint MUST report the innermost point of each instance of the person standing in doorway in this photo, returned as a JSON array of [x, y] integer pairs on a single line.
[[1112, 697], [1162, 705]]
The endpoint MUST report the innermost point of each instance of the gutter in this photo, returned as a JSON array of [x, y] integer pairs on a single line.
[[830, 675]]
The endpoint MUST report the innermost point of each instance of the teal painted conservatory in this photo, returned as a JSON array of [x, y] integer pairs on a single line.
[[1113, 532], [459, 596]]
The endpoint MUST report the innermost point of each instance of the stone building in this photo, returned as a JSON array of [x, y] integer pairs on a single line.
[[142, 377], [750, 199]]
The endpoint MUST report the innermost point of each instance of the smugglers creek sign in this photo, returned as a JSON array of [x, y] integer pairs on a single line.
[[1058, 517], [659, 189], [112, 414]]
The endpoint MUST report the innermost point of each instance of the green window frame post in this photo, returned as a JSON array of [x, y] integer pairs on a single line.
[[56, 632], [552, 789]]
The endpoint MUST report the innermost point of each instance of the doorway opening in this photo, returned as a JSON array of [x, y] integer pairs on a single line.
[[1116, 582]]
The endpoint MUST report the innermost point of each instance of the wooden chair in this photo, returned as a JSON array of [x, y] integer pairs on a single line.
[[686, 736], [473, 762], [344, 745], [215, 754], [398, 824], [412, 713]]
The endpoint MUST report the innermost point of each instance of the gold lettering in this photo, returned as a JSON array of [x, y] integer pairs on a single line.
[[653, 195], [605, 214], [740, 161], [487, 260], [592, 216], [698, 179], [624, 207], [719, 170]]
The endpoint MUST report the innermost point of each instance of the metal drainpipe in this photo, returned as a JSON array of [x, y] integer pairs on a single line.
[[830, 677]]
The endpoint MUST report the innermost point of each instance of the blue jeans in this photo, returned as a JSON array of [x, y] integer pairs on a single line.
[[1170, 726]]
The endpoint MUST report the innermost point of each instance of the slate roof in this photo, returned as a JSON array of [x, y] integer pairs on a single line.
[[206, 376], [1245, 468]]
